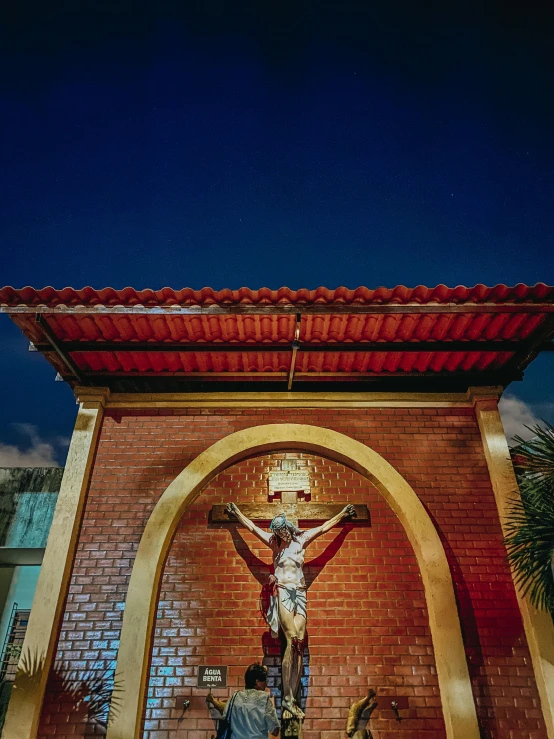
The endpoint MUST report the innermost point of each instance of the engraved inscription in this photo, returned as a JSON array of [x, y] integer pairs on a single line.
[[291, 481]]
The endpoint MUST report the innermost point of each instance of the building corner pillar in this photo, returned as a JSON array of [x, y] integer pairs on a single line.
[[39, 646], [539, 629]]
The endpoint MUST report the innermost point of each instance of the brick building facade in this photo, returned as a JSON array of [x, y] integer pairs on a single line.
[[368, 623], [188, 399]]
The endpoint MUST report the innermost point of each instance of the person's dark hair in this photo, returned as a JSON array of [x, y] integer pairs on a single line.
[[253, 673]]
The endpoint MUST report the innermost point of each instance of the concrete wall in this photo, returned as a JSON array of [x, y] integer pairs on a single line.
[[27, 501]]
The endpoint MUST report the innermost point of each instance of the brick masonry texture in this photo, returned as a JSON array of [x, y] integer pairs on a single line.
[[368, 624]]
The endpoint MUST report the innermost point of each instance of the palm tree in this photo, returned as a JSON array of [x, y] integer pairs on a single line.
[[94, 695], [530, 528]]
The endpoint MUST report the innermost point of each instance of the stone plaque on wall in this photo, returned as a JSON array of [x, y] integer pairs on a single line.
[[289, 481]]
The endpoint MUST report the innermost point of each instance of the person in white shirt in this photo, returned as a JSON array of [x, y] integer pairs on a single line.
[[253, 714]]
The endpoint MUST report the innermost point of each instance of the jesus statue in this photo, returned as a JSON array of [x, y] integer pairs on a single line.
[[287, 607]]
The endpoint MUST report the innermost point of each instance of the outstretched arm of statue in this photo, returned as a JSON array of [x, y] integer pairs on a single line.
[[347, 512], [247, 523]]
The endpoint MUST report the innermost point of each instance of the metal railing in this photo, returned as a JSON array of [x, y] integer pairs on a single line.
[[11, 649]]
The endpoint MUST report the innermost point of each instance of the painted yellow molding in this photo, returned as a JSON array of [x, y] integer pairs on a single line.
[[484, 392], [90, 397], [136, 636], [538, 625], [48, 604], [292, 399]]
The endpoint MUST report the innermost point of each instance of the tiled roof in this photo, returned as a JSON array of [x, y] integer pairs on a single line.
[[458, 336], [401, 294]]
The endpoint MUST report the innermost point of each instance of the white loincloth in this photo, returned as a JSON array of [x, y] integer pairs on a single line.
[[293, 598]]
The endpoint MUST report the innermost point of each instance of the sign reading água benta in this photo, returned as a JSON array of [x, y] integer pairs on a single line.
[[212, 676]]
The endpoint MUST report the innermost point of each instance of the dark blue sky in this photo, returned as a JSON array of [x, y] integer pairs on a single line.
[[299, 144]]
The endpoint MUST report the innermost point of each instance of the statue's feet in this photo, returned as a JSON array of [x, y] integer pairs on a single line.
[[293, 708]]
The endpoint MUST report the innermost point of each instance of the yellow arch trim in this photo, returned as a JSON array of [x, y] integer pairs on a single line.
[[137, 630]]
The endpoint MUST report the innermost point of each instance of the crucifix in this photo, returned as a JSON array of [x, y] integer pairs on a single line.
[[287, 607]]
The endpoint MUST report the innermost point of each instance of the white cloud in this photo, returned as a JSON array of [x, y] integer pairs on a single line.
[[516, 415], [36, 453]]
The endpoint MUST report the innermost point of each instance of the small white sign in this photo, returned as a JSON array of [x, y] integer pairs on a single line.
[[289, 481]]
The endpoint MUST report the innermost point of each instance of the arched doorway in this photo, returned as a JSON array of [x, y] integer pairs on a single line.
[[457, 699]]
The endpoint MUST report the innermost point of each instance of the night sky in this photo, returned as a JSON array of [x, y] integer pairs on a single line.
[[269, 144]]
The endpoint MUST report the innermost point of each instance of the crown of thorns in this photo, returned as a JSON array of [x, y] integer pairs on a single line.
[[281, 522]]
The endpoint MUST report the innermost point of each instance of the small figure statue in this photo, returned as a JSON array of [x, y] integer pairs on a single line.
[[287, 607], [355, 712]]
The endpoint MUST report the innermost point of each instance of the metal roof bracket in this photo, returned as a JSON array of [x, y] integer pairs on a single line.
[[295, 348], [52, 340]]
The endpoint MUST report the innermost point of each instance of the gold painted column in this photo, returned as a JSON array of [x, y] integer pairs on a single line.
[[41, 637], [539, 629]]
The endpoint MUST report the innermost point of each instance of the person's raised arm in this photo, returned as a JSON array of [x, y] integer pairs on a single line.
[[308, 536], [262, 535]]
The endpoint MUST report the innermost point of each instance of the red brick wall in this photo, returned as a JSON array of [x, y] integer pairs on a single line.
[[368, 623]]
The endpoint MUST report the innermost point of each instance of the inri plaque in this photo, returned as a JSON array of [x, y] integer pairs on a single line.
[[289, 481]]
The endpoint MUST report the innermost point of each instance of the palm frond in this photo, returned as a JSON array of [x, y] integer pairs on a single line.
[[97, 690], [96, 693], [530, 545], [31, 664], [530, 525], [535, 455]]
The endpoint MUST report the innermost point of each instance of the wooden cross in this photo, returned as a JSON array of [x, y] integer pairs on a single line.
[[287, 485]]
